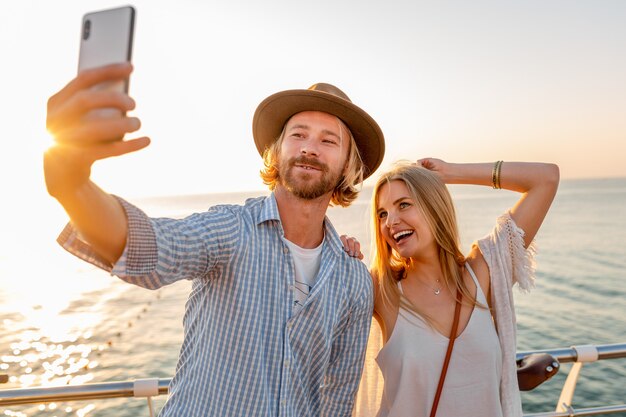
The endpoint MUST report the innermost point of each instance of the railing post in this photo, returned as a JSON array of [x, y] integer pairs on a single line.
[[146, 388], [150, 406], [584, 353]]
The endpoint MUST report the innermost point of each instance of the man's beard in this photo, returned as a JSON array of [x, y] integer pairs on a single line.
[[301, 185]]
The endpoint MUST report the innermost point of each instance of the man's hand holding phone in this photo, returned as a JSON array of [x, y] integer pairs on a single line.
[[80, 140], [87, 118]]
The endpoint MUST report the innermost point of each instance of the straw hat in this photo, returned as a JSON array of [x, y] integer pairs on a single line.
[[273, 112]]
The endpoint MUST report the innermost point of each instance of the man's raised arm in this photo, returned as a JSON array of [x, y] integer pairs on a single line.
[[80, 141]]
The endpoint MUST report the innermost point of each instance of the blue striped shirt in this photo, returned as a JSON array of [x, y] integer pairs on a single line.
[[245, 351]]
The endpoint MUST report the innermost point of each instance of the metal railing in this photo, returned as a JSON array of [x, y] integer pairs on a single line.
[[148, 388], [82, 392], [594, 411], [565, 355]]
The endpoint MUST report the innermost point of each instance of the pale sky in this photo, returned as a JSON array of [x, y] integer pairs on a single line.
[[460, 80]]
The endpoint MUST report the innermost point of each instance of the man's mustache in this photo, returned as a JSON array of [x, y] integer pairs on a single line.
[[303, 160]]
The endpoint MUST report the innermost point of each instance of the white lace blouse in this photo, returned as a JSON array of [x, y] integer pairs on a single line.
[[509, 263]]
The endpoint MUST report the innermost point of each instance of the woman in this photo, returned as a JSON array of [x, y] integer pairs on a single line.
[[419, 273]]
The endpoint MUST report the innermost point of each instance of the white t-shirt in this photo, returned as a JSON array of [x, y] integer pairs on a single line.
[[307, 265]]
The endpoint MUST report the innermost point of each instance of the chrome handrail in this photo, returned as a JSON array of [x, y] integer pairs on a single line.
[[21, 396], [594, 411], [565, 355]]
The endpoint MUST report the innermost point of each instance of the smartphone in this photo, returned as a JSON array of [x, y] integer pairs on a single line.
[[107, 38]]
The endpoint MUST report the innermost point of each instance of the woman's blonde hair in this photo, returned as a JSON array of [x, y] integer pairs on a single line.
[[432, 198], [344, 193]]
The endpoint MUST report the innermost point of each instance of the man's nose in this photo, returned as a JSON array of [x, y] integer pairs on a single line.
[[309, 147]]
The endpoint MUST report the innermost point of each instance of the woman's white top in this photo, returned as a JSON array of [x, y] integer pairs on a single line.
[[412, 359]]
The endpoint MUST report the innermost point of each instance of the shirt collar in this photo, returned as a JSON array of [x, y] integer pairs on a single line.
[[269, 211]]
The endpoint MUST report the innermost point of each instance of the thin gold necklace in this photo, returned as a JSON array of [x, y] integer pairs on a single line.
[[436, 291]]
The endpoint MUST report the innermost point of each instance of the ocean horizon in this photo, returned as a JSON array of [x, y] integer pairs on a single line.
[[77, 324]]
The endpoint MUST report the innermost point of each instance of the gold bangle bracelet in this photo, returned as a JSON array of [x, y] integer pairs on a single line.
[[495, 174], [499, 169]]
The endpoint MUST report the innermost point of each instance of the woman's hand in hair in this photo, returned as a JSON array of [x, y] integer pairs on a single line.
[[438, 166]]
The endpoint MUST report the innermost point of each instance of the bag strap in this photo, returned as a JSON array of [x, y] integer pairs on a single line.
[[446, 362]]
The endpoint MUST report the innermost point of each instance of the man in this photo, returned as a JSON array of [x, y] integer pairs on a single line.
[[278, 318]]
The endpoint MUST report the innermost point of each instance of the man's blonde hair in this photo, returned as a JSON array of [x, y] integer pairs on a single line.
[[348, 188]]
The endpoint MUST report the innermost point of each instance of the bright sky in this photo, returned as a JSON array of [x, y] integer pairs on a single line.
[[460, 80]]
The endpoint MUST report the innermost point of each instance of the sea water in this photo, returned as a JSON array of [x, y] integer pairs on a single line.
[[64, 322]]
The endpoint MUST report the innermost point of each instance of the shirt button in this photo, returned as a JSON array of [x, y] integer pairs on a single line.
[[289, 325], [283, 402], [285, 250], [286, 364]]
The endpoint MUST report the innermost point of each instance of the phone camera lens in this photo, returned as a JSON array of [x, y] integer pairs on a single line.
[[86, 29]]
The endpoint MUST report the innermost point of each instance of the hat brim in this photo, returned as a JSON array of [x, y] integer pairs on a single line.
[[273, 112]]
